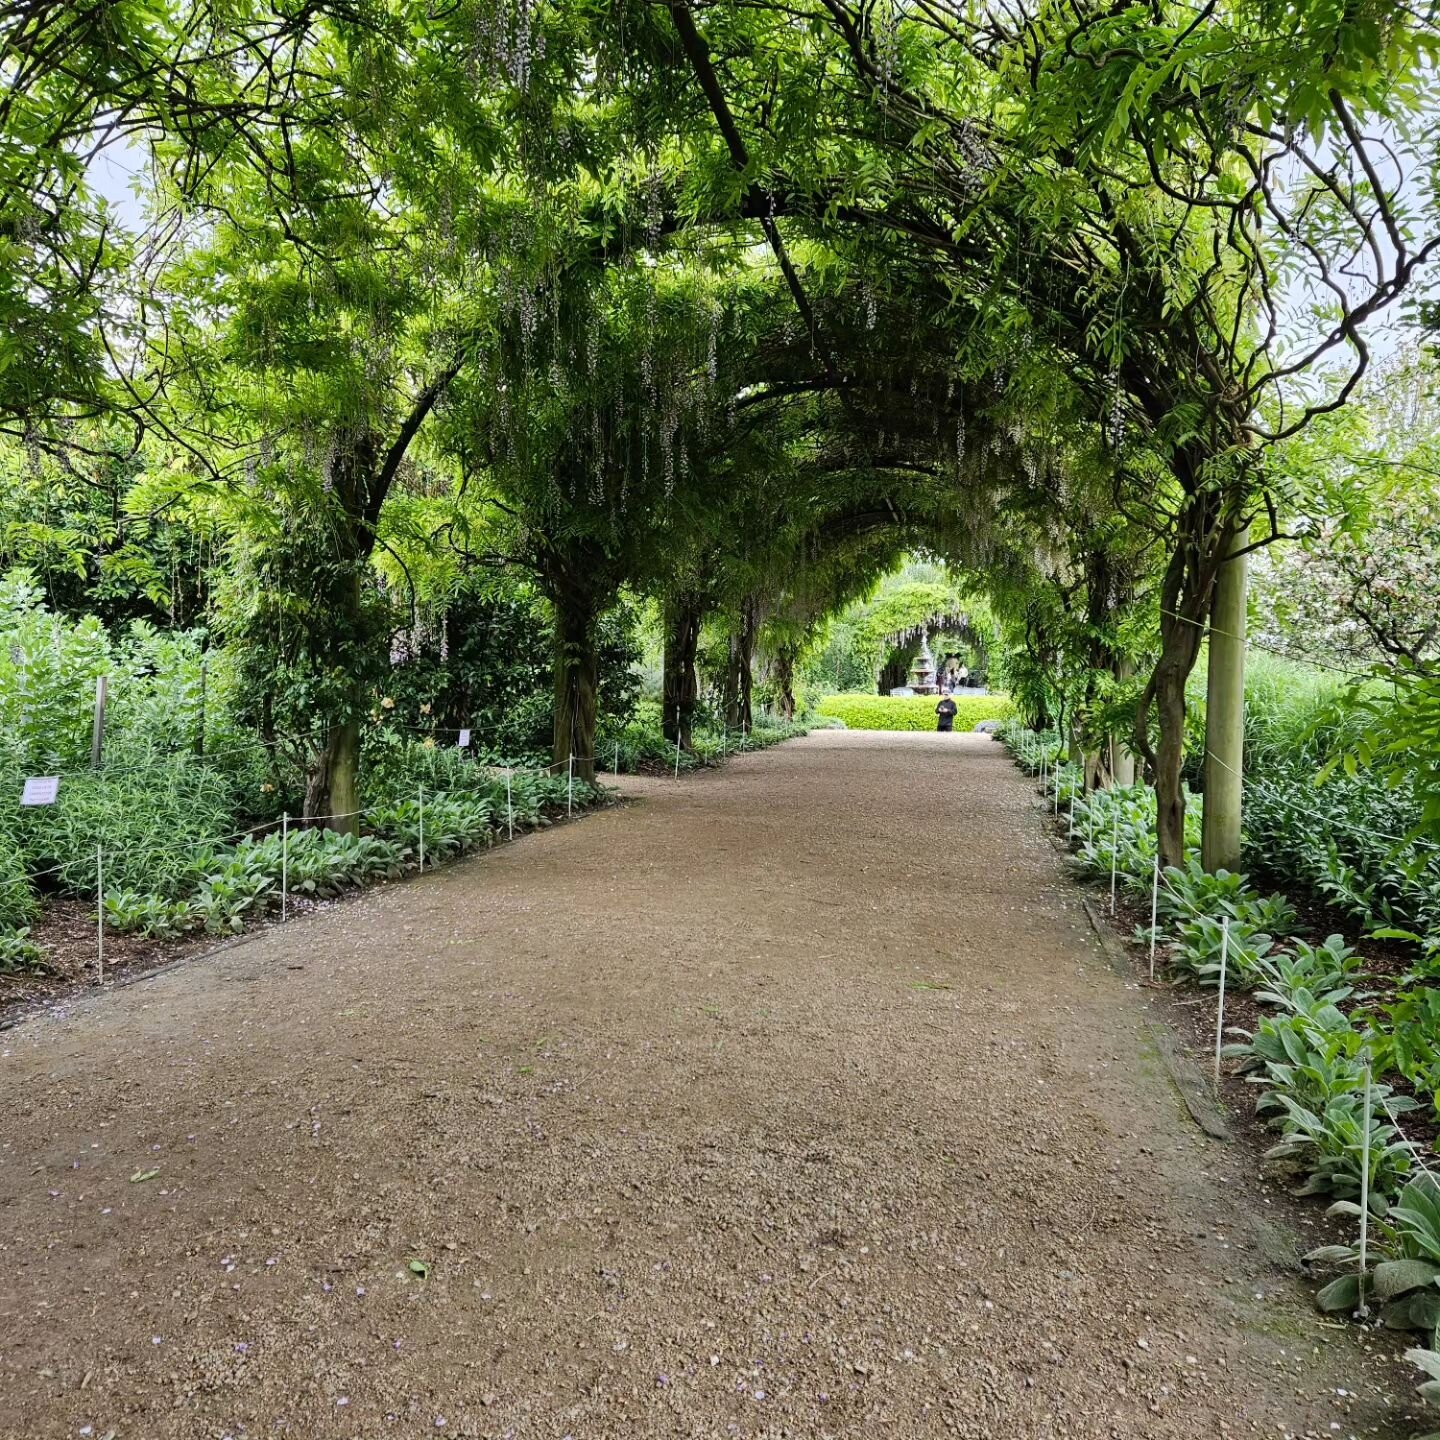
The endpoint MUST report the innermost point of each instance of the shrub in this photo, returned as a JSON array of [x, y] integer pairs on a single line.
[[17, 899], [148, 817], [909, 712]]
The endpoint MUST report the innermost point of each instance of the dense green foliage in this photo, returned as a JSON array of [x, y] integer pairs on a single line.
[[450, 356], [729, 309], [1330, 1033]]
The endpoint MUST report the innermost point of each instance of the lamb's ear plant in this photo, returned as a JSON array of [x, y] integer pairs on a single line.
[[1201, 941], [153, 916], [19, 955], [1327, 1147], [1271, 913], [1317, 970], [1429, 1390], [1195, 891]]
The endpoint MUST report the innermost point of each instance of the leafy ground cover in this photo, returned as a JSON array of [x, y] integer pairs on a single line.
[[1342, 1052], [640, 747], [908, 712], [187, 829]]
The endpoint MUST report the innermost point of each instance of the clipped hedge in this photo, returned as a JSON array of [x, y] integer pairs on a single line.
[[910, 712]]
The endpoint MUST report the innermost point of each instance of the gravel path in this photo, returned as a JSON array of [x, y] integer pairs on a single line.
[[793, 1100]]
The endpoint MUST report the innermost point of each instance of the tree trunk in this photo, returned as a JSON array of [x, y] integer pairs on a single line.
[[1185, 596], [681, 687], [1225, 715], [577, 678], [785, 682], [730, 689], [1169, 691], [332, 790], [749, 629]]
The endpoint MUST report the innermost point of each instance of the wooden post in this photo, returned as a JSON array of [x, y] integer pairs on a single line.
[[1122, 769], [1225, 715], [200, 738], [97, 730]]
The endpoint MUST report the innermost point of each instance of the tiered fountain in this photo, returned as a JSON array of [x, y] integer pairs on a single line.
[[922, 672]]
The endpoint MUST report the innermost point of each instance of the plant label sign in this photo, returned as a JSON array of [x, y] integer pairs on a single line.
[[40, 790], [464, 739]]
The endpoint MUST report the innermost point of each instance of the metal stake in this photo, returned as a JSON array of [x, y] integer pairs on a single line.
[[1220, 1007], [97, 729], [1363, 1309], [1114, 856], [99, 916], [1154, 910]]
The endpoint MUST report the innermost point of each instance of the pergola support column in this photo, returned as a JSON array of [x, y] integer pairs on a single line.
[[1225, 713]]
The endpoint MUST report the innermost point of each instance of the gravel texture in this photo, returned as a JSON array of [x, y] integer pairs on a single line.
[[792, 1100]]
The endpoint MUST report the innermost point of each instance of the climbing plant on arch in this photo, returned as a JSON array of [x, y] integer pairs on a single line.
[[1136, 195]]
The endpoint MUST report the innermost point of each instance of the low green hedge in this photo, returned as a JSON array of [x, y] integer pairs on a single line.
[[910, 712]]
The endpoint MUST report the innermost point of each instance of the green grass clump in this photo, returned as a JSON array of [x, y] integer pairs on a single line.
[[910, 712]]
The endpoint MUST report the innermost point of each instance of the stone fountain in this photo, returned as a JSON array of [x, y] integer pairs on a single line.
[[922, 672]]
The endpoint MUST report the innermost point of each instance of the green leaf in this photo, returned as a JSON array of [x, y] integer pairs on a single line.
[[1341, 1294], [1330, 1255], [141, 1176], [1427, 1360], [420, 1268], [1395, 1277]]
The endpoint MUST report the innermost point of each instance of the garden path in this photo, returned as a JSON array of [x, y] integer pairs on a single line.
[[795, 1099]]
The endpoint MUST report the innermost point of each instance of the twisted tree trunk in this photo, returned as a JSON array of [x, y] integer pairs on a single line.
[[1185, 595], [749, 631], [577, 672], [784, 672], [680, 685], [332, 789]]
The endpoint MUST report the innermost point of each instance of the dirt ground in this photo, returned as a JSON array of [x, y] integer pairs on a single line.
[[792, 1100]]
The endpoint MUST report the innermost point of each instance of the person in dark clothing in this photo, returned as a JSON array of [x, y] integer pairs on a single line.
[[946, 710]]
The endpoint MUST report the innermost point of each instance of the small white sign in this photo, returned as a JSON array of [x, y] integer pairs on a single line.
[[40, 790], [464, 739]]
